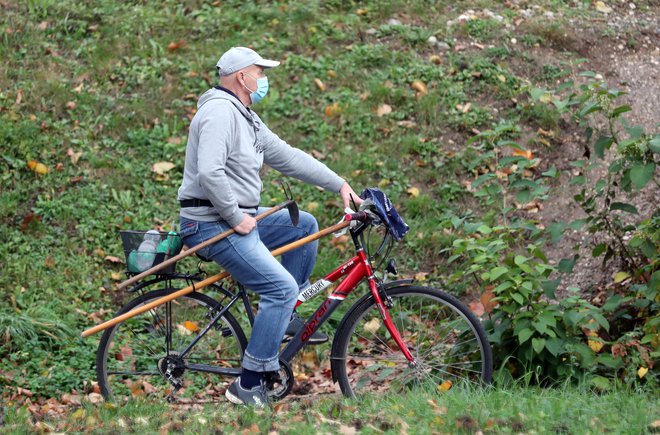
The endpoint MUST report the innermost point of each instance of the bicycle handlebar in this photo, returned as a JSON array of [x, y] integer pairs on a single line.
[[360, 216]]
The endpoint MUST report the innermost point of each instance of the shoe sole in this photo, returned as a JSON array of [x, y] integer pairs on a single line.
[[233, 399], [237, 400]]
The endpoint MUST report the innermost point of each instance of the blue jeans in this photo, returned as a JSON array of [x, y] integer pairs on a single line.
[[247, 258]]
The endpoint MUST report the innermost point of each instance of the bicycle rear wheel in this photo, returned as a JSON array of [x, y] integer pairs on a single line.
[[445, 338], [132, 357]]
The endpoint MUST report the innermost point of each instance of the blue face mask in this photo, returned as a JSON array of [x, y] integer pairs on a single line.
[[262, 90]]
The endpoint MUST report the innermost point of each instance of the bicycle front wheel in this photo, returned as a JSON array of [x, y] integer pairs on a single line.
[[141, 356], [447, 341]]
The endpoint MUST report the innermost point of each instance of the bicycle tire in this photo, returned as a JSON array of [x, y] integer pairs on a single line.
[[445, 338], [129, 353]]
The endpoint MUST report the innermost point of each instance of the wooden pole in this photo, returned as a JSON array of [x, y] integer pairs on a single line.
[[208, 281], [195, 248]]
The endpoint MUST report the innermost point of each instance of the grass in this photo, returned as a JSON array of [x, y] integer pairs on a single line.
[[511, 410], [100, 91]]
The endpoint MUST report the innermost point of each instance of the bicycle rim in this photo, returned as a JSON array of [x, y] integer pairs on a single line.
[[131, 355], [446, 340]]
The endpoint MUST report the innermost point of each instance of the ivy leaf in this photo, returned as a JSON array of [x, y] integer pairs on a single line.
[[601, 383], [549, 287], [624, 207], [654, 144], [613, 302], [635, 131], [591, 108], [497, 272], [524, 335], [537, 93], [566, 265], [621, 109], [641, 174], [538, 344], [603, 143], [554, 346], [556, 230], [552, 172]]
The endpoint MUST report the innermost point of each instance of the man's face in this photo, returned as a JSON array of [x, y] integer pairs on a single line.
[[250, 76]]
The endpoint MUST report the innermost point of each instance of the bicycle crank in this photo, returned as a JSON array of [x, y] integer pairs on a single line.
[[280, 383]]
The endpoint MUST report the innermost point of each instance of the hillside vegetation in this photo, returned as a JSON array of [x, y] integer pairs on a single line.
[[473, 116]]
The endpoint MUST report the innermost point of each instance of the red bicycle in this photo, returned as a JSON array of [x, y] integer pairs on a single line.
[[397, 336]]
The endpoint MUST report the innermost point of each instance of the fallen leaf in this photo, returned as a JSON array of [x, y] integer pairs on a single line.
[[477, 308], [413, 191], [191, 326], [421, 276], [113, 259], [522, 153], [74, 156], [372, 325], [594, 345], [318, 155], [331, 73], [332, 110], [487, 301], [174, 46], [464, 108], [319, 84], [642, 372], [28, 219], [95, 398], [419, 86], [161, 168], [384, 109], [19, 97], [362, 11], [546, 133], [620, 277], [116, 276], [71, 105], [445, 386], [603, 8], [435, 59], [37, 167], [42, 25], [406, 123]]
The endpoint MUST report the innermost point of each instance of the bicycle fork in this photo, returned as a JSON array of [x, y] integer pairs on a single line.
[[384, 312]]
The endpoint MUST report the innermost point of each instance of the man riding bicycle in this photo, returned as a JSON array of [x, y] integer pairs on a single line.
[[227, 145]]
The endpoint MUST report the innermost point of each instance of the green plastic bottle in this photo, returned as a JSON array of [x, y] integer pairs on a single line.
[[132, 262], [171, 245]]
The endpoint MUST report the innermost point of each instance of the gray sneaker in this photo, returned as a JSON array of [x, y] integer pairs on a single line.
[[295, 325], [255, 396]]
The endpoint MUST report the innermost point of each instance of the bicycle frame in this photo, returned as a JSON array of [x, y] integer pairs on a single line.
[[352, 271]]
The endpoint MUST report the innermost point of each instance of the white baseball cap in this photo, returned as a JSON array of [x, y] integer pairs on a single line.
[[237, 58]]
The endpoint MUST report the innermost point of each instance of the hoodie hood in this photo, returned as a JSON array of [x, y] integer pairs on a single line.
[[219, 94]]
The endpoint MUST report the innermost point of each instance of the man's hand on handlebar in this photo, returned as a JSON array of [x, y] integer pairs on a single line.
[[346, 193]]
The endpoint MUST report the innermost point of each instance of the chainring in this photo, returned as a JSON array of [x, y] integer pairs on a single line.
[[280, 383]]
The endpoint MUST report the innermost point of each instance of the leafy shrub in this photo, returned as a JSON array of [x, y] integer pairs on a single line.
[[533, 332]]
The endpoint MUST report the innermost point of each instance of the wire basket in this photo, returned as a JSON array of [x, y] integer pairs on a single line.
[[145, 249]]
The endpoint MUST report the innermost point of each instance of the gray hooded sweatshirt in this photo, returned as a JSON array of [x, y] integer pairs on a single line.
[[227, 145]]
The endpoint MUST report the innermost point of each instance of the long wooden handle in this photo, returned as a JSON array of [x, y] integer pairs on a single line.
[[195, 248], [208, 281]]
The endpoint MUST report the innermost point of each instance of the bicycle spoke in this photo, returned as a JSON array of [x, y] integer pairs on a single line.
[[441, 336], [133, 357]]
